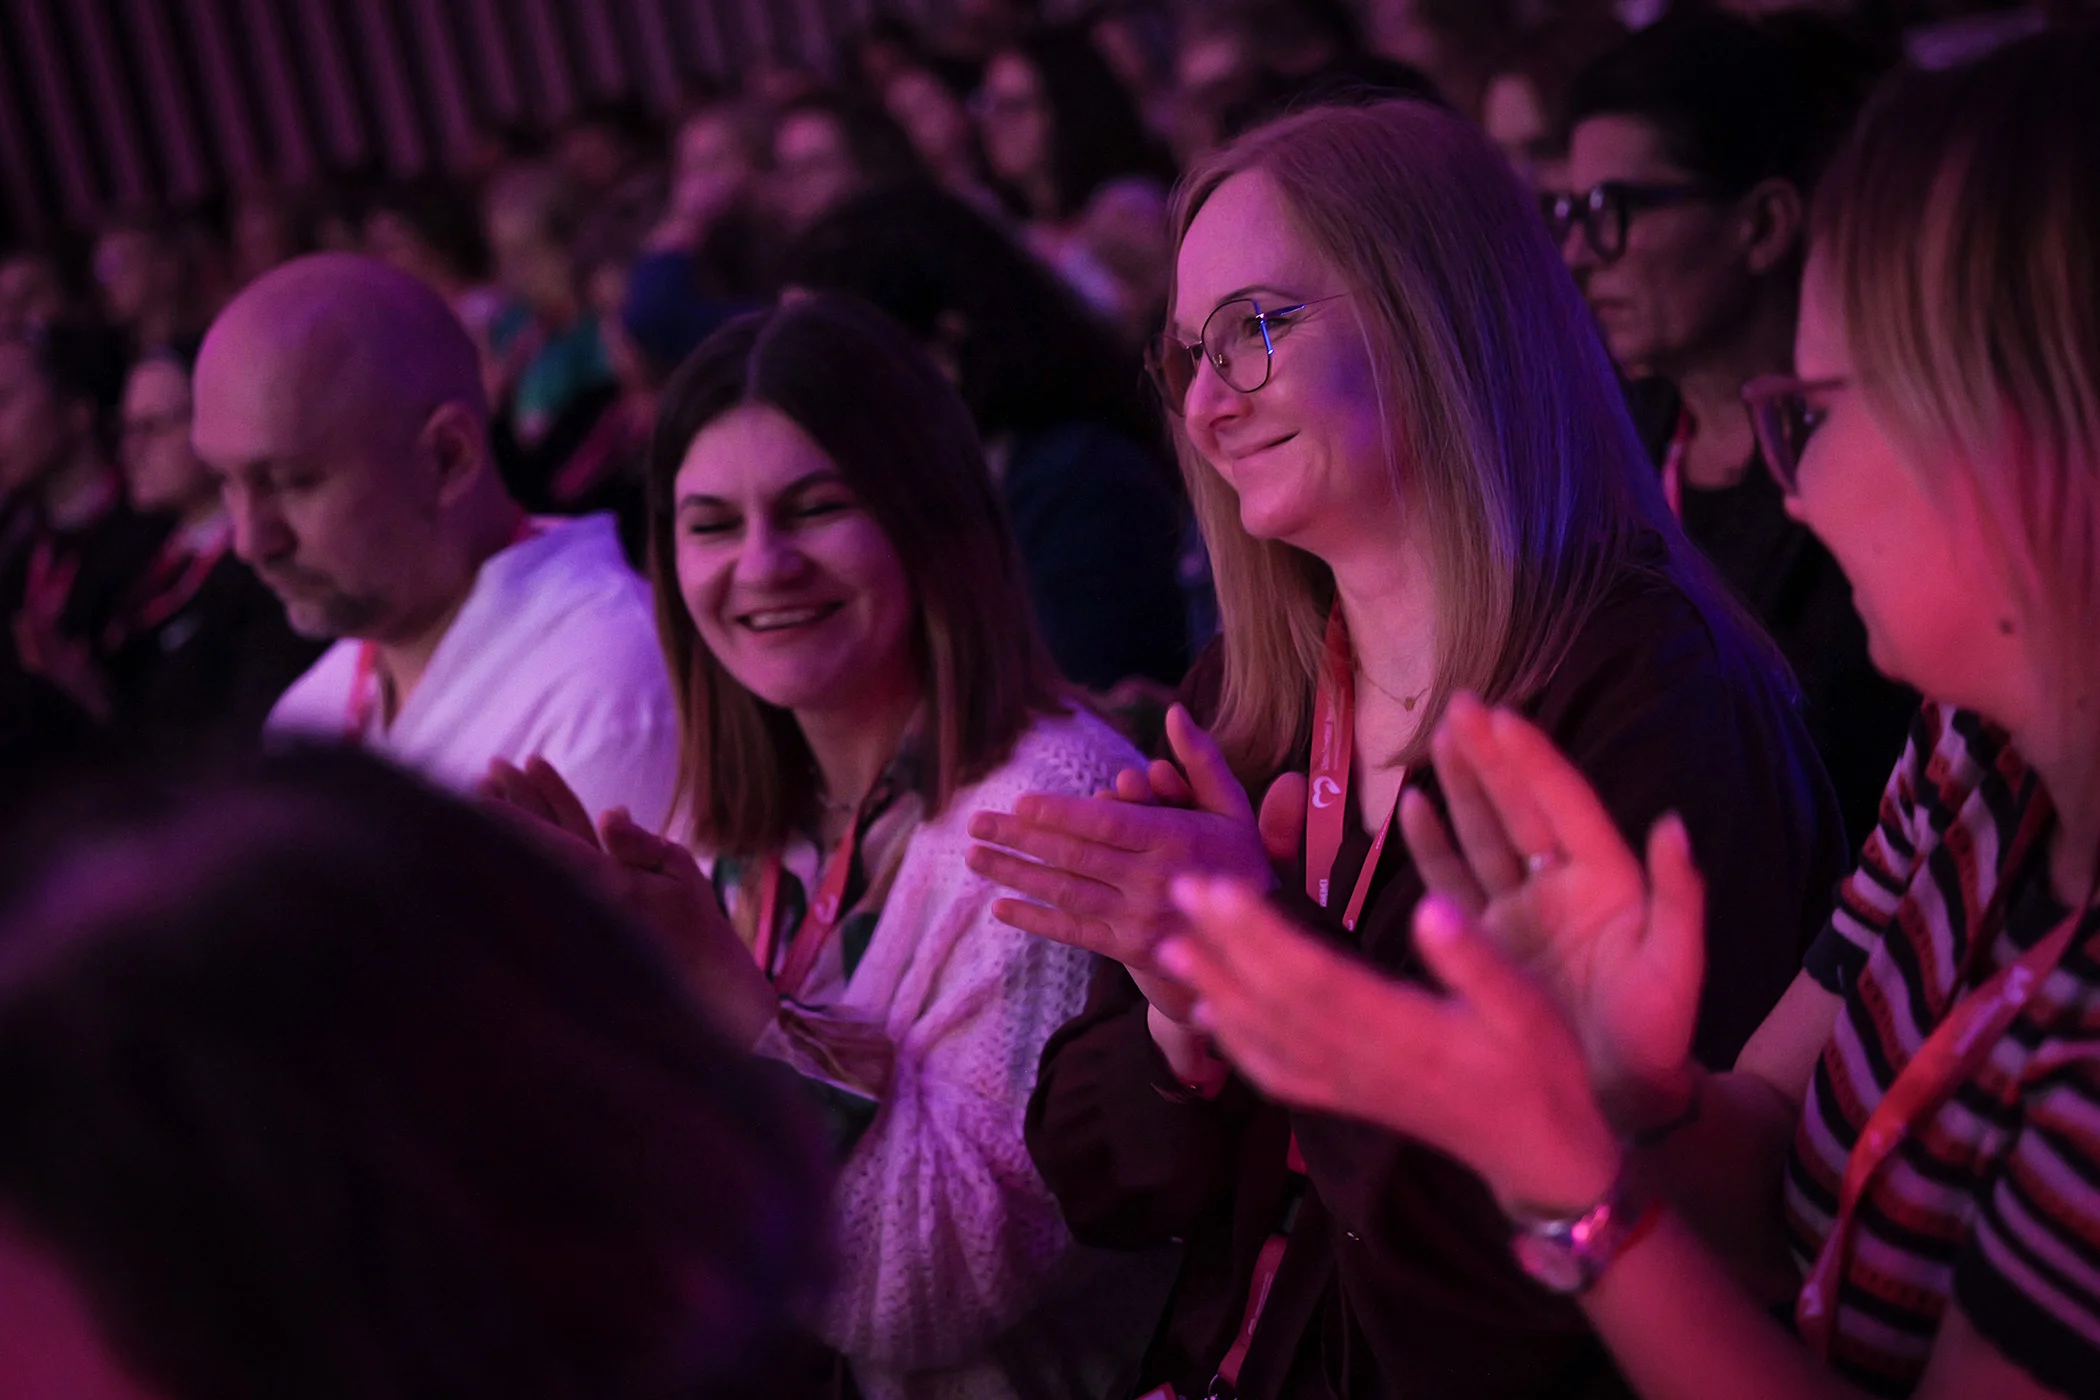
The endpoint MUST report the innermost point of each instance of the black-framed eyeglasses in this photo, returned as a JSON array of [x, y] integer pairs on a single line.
[[1784, 412], [1604, 212], [1239, 339]]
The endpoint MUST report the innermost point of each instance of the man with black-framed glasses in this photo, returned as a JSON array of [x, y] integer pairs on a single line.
[[1691, 149]]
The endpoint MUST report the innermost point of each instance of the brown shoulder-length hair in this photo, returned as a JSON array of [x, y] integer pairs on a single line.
[[1506, 427], [899, 434], [1959, 230]]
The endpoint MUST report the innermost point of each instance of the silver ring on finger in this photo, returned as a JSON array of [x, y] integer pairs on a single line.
[[1539, 862]]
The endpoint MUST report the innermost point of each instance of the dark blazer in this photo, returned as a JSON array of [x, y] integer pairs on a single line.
[[1398, 1280]]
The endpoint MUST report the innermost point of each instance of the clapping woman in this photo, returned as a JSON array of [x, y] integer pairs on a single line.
[[1415, 475], [847, 629], [1925, 1100]]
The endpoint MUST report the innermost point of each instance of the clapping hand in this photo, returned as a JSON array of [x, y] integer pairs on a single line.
[[1540, 866], [655, 880], [1094, 871], [1486, 1070]]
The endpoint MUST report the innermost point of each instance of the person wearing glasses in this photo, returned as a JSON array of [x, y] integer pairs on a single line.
[[1414, 471], [1907, 1156], [1692, 148]]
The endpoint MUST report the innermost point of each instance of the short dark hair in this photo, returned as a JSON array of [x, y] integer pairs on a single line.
[[444, 215], [320, 1083], [868, 395], [1733, 101]]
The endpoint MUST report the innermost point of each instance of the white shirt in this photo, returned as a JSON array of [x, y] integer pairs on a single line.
[[553, 654]]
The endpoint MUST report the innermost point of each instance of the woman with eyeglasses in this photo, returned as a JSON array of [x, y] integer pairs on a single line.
[[1414, 470], [1907, 1155], [1693, 147]]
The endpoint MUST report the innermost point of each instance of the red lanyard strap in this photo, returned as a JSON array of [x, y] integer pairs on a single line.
[[1327, 785], [823, 915], [1960, 1043]]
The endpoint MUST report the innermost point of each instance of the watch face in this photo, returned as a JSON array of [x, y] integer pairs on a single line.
[[1553, 1263]]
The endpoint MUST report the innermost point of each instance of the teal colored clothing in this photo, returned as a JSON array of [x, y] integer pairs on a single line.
[[569, 364]]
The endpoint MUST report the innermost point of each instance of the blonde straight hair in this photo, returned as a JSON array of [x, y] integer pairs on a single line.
[[1505, 424], [1960, 227]]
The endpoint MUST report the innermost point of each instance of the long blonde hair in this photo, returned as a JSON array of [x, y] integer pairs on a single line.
[[1961, 228], [1505, 423]]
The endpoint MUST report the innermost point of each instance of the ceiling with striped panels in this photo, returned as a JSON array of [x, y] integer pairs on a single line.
[[107, 104]]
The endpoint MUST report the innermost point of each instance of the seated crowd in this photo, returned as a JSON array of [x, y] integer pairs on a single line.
[[655, 771]]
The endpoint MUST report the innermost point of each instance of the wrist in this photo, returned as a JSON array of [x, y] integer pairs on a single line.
[[1645, 1111], [1568, 1251], [1194, 1065]]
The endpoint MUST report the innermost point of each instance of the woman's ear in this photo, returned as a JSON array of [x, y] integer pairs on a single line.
[[1775, 215]]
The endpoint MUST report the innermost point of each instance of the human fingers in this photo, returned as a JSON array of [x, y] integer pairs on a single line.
[[1676, 939], [1462, 745], [1444, 870], [1120, 825], [1282, 819], [1576, 824], [1133, 786], [1167, 781], [1045, 884], [1209, 776], [508, 785], [1062, 926], [632, 844], [561, 799]]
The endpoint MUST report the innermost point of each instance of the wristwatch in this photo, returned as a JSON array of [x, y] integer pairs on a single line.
[[1568, 1253]]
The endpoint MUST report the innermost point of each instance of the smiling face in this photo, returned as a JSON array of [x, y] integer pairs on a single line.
[[791, 584], [1307, 452]]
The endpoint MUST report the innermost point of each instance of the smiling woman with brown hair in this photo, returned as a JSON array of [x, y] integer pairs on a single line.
[[847, 628]]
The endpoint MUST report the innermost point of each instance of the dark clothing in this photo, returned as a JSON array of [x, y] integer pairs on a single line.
[[203, 678], [1100, 529], [94, 565], [1790, 583], [1398, 1280]]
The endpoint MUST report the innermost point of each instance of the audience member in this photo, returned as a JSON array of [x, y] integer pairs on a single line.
[[270, 227], [551, 376], [1524, 107], [34, 292], [827, 147], [1906, 1150], [935, 114], [430, 229], [318, 1084], [151, 289], [71, 550], [1061, 411], [1685, 232], [1414, 469], [339, 404], [1058, 128], [200, 650], [844, 617]]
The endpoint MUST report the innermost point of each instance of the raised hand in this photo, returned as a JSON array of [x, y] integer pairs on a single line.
[[1541, 867], [1094, 872], [1486, 1070], [657, 882]]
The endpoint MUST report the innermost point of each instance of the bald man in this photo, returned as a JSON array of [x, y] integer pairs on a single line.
[[340, 404]]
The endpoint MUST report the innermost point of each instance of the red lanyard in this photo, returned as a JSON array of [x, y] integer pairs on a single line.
[[364, 679], [1327, 788], [818, 923], [1326, 812], [1673, 464], [1949, 1055], [176, 579], [50, 583]]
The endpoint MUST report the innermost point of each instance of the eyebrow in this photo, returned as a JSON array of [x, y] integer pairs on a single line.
[[821, 477], [1237, 294]]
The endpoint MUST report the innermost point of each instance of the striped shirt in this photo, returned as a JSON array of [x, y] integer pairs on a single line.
[[1993, 1200]]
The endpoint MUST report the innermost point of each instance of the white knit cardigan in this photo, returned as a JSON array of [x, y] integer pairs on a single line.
[[948, 1237]]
